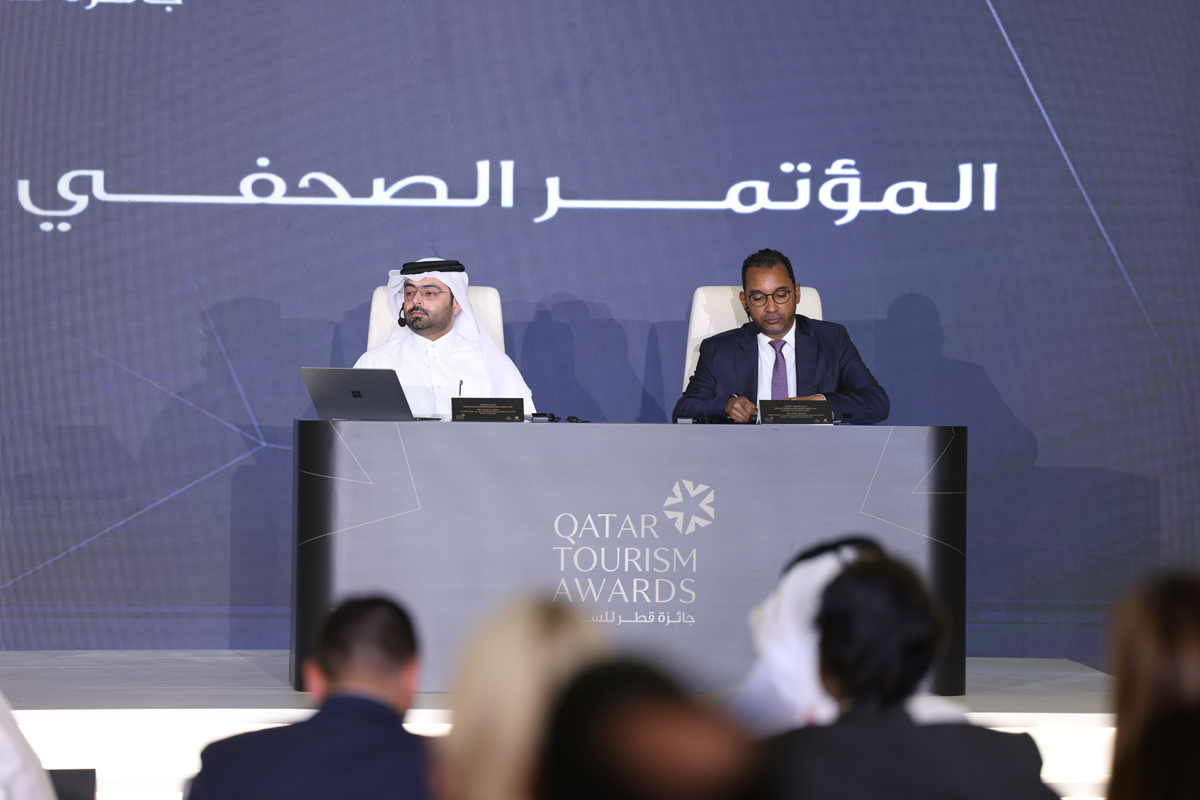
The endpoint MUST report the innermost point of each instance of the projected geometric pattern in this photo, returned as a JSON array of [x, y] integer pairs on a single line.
[[256, 438]]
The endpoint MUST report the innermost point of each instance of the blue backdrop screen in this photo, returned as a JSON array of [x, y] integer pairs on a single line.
[[998, 199]]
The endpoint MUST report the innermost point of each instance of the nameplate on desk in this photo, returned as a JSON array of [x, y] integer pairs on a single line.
[[487, 409], [795, 412]]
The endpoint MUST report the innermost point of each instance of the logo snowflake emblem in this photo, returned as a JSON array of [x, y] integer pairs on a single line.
[[705, 505]]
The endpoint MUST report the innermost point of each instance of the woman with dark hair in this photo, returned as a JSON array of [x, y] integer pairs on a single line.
[[879, 634], [622, 730], [1156, 660]]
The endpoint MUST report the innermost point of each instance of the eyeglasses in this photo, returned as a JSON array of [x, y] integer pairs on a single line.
[[428, 292], [760, 299]]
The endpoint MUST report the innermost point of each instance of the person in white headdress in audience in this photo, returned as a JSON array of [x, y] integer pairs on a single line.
[[783, 689], [441, 349]]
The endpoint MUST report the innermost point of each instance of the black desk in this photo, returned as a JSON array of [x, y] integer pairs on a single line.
[[673, 533]]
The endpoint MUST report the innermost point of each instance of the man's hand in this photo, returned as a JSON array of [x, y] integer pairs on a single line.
[[740, 409]]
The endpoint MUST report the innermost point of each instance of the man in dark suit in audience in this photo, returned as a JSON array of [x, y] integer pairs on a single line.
[[363, 677], [779, 355], [879, 632]]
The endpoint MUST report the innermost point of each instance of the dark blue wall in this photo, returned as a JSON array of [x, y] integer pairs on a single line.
[[151, 351]]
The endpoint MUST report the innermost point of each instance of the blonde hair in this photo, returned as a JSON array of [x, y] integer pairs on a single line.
[[511, 671]]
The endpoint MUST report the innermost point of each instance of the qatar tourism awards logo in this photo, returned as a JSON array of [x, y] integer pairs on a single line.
[[620, 560]]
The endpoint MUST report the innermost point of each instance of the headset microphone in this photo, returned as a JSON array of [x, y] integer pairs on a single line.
[[401, 321]]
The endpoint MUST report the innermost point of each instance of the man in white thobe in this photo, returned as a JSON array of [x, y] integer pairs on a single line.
[[441, 350]]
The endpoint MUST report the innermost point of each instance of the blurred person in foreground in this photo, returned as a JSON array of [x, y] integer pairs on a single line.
[[1156, 661], [879, 633], [783, 688], [21, 773], [363, 677], [514, 666], [624, 731]]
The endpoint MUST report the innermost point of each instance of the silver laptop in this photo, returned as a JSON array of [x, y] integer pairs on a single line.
[[368, 394]]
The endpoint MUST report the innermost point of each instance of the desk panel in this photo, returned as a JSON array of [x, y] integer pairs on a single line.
[[665, 535]]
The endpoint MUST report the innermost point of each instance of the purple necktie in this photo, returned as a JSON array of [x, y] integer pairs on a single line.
[[779, 389]]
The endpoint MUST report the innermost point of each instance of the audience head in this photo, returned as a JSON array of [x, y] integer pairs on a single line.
[[624, 730], [1156, 655], [879, 630], [366, 646], [1162, 763], [517, 662]]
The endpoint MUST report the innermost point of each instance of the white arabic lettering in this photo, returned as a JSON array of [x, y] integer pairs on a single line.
[[662, 618], [841, 191], [168, 3], [843, 172], [380, 196]]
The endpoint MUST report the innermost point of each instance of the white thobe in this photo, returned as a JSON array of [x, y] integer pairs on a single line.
[[432, 372]]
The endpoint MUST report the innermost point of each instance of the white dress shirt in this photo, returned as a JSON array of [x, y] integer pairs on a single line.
[[766, 363]]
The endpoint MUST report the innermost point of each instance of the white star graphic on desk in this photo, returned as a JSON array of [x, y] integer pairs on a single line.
[[705, 505]]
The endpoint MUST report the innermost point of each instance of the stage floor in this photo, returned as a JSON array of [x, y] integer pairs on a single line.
[[140, 718]]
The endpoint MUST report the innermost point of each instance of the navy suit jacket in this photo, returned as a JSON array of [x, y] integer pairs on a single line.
[[353, 747], [827, 363]]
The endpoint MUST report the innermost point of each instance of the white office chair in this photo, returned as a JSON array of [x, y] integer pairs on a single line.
[[485, 300], [717, 308]]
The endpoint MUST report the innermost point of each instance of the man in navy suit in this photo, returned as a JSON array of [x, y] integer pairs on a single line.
[[363, 677], [779, 355]]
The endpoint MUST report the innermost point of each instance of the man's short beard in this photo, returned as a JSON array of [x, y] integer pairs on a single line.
[[430, 320]]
